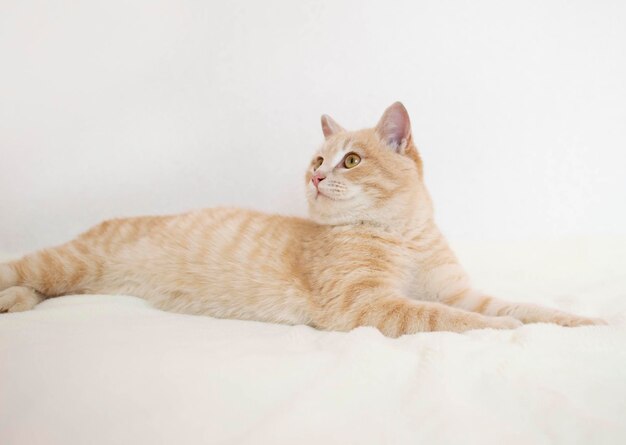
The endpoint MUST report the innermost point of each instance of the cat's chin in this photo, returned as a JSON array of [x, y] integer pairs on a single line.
[[323, 207], [321, 196]]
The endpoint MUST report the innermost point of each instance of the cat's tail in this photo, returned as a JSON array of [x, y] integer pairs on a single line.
[[47, 273]]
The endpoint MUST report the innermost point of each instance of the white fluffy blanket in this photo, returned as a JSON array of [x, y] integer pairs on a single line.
[[112, 370]]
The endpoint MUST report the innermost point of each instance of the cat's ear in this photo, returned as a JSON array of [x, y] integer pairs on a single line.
[[330, 127], [394, 127]]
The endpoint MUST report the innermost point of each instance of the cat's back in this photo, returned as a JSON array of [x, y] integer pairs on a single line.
[[221, 239], [233, 236], [240, 234]]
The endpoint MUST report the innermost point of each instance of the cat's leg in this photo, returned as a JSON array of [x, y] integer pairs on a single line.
[[475, 301], [15, 298], [19, 298], [448, 284], [46, 273], [395, 315]]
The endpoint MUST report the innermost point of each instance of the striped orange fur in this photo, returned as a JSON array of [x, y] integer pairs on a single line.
[[371, 254]]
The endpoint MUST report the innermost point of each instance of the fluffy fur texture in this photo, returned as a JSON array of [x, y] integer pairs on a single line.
[[371, 255]]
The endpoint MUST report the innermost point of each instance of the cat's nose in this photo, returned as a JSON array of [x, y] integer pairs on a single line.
[[317, 178]]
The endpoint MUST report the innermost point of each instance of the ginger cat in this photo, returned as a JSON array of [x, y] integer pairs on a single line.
[[371, 254]]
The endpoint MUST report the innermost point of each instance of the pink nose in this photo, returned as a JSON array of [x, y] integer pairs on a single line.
[[317, 178]]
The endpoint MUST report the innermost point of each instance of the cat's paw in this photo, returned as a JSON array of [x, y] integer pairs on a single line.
[[570, 320], [18, 298]]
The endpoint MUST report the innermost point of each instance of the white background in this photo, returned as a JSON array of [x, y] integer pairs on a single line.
[[122, 108]]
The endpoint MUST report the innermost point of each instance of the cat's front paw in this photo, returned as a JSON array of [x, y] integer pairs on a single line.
[[570, 320]]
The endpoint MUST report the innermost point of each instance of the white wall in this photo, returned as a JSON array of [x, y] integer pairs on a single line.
[[130, 107]]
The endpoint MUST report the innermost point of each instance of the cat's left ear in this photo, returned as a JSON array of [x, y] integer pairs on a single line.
[[394, 127], [330, 127]]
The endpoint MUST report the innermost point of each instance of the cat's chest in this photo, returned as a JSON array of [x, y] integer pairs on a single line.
[[420, 269]]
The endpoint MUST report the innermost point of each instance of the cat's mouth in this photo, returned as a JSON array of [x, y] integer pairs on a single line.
[[322, 194]]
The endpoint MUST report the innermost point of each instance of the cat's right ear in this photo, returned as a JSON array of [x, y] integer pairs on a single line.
[[330, 127], [394, 128]]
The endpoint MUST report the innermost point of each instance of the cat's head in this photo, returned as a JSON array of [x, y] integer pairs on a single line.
[[372, 175]]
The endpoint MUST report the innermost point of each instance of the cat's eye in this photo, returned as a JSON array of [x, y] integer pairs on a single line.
[[351, 160], [318, 163]]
